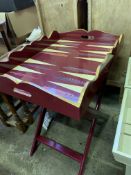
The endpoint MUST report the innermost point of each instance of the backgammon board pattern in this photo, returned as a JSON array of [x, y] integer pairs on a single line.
[[62, 66]]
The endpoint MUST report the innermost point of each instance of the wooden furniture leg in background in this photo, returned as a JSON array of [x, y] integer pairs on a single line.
[[28, 115], [19, 123], [3, 117], [4, 35], [100, 95]]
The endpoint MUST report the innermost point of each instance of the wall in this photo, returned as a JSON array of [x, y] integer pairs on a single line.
[[59, 15], [113, 16]]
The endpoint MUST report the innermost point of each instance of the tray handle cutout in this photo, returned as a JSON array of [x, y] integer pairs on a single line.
[[22, 92]]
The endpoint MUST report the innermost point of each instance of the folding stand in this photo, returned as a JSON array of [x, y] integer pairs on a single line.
[[80, 158]]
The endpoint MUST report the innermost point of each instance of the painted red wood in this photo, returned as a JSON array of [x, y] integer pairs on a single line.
[[59, 72]]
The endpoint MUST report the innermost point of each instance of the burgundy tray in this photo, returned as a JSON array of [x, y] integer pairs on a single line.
[[61, 73]]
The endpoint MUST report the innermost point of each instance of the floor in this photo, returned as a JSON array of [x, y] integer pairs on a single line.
[[15, 146]]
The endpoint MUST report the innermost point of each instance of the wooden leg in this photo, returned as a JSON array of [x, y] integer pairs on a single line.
[[100, 95], [38, 131], [3, 117], [87, 147], [98, 102], [19, 123], [28, 115], [5, 37], [121, 93]]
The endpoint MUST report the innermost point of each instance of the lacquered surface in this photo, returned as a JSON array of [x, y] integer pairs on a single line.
[[63, 65]]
